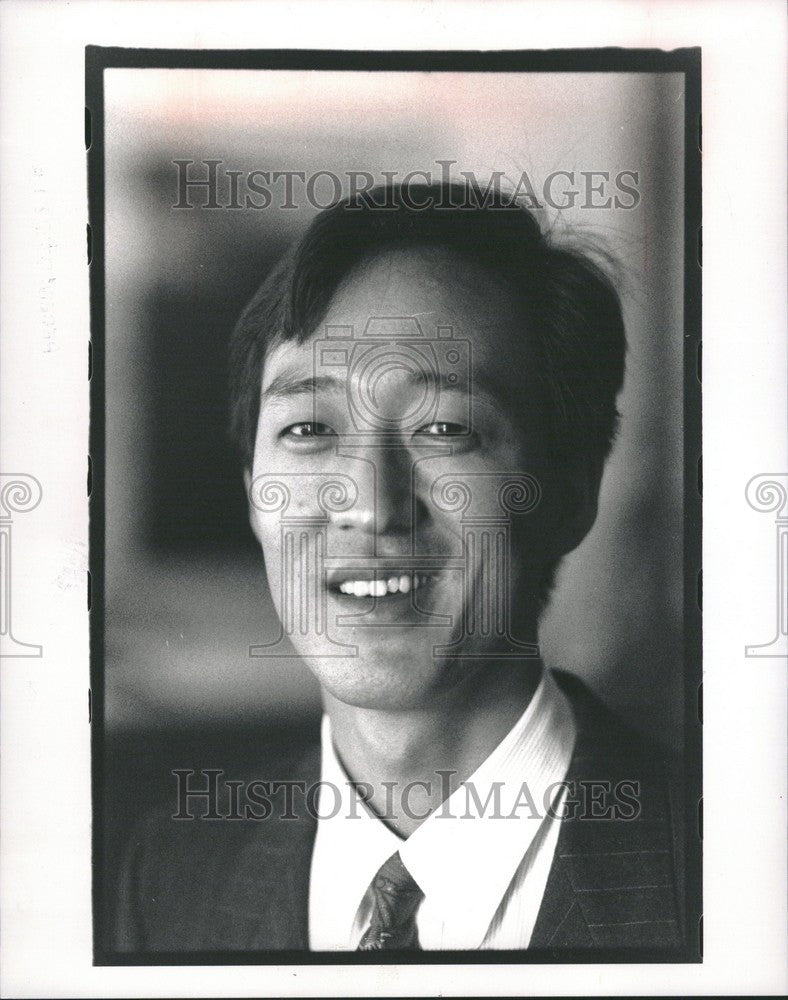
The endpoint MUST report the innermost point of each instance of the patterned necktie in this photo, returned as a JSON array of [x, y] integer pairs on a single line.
[[396, 897]]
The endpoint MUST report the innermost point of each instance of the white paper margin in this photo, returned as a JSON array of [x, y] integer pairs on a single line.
[[44, 317]]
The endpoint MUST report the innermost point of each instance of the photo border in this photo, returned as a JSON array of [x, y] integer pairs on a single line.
[[601, 60]]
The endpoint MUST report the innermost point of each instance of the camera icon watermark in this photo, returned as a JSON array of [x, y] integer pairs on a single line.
[[399, 346]]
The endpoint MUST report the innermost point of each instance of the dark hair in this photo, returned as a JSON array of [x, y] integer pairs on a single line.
[[574, 313]]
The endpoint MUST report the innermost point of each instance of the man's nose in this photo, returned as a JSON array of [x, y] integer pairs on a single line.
[[384, 505]]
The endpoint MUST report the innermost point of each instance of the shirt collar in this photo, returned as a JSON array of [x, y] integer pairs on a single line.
[[462, 852], [465, 855], [351, 842]]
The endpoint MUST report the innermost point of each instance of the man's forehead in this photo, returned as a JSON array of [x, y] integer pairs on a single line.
[[431, 285], [425, 295]]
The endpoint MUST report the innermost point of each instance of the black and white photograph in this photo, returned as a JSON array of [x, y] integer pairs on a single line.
[[393, 498], [396, 544]]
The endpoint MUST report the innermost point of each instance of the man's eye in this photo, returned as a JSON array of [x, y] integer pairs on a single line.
[[443, 429], [307, 430]]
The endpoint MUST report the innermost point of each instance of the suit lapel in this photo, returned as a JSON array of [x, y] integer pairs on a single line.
[[611, 884], [266, 902], [560, 922]]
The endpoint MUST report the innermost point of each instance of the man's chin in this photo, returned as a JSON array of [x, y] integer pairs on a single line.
[[394, 684]]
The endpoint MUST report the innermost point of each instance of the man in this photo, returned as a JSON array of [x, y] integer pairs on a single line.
[[424, 395]]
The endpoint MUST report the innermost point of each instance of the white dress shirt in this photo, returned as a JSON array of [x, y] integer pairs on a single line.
[[483, 870]]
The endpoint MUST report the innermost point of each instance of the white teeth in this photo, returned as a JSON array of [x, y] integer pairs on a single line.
[[380, 588]]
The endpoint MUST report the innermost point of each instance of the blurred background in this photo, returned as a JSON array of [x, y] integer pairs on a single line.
[[185, 584]]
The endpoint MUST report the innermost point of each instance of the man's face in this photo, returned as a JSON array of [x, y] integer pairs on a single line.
[[398, 481]]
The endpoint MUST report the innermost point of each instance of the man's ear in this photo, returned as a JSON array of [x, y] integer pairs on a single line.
[[250, 506], [577, 504]]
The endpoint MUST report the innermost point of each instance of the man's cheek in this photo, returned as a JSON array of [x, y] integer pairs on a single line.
[[442, 535], [270, 543]]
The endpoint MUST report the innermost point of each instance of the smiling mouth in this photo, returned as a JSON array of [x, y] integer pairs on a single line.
[[385, 585]]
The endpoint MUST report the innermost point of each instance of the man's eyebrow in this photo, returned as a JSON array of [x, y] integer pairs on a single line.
[[475, 383], [287, 385]]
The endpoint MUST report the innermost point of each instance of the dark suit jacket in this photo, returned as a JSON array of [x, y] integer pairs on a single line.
[[243, 886]]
